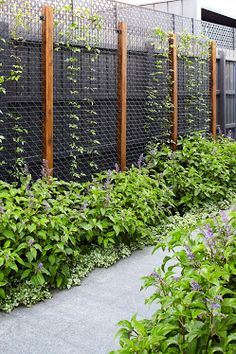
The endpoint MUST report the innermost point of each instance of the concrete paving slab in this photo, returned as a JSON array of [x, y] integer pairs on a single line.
[[82, 320]]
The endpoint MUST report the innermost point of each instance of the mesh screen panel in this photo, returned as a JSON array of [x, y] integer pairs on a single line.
[[21, 113], [193, 85], [148, 91], [85, 83], [85, 91]]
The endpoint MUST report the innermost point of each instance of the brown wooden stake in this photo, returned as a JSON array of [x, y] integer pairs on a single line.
[[122, 93], [174, 89], [213, 87], [47, 65]]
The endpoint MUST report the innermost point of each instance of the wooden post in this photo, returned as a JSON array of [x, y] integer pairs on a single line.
[[213, 87], [174, 89], [122, 93], [222, 87], [47, 87]]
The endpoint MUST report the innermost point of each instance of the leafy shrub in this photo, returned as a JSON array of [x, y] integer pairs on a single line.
[[47, 225], [195, 290], [199, 171]]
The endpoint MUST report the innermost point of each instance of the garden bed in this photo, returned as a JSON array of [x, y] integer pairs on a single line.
[[53, 233]]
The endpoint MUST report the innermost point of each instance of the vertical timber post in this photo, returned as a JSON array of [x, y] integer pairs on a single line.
[[47, 67], [122, 93], [174, 89], [222, 87], [213, 87]]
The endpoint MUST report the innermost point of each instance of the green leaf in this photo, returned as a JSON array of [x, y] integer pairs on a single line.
[[9, 234], [52, 259], [229, 302], [86, 226], [32, 227], [2, 293], [25, 274], [59, 281], [117, 229], [40, 278], [33, 253]]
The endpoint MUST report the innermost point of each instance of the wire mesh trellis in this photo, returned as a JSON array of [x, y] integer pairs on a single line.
[[148, 116], [193, 84], [85, 115], [85, 82], [21, 113]]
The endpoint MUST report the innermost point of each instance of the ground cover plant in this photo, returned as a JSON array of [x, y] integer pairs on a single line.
[[53, 233], [195, 293]]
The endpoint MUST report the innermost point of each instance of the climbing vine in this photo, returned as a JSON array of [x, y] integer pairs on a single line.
[[158, 93], [193, 55], [12, 72], [80, 36], [193, 51]]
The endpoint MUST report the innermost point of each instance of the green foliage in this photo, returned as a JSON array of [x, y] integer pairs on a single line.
[[195, 290], [156, 105], [80, 36], [45, 226], [201, 170], [52, 233], [13, 73], [193, 52]]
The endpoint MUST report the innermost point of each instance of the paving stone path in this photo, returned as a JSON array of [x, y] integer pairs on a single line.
[[82, 320]]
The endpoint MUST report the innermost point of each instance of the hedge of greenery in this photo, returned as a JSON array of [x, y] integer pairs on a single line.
[[195, 290], [52, 233]]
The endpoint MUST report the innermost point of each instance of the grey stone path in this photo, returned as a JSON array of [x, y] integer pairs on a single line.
[[82, 320]]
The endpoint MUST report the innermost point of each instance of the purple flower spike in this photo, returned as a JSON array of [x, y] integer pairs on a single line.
[[108, 181], [215, 305], [46, 205], [210, 238], [31, 242], [175, 277], [189, 253], [140, 161], [208, 232], [156, 276], [195, 286], [40, 265], [117, 168], [224, 216], [84, 205]]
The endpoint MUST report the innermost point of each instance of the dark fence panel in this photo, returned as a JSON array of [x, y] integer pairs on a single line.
[[85, 84]]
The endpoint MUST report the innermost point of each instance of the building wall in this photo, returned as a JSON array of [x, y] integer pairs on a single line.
[[192, 8]]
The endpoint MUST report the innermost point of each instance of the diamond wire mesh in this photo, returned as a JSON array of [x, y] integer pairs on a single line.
[[148, 91], [85, 85], [193, 84], [20, 112], [93, 96]]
